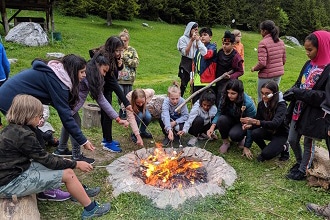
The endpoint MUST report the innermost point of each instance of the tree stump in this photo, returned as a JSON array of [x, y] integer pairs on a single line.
[[91, 115], [23, 208], [319, 174]]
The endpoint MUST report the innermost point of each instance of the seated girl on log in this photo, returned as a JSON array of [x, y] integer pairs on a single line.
[[234, 105], [269, 124], [140, 117], [26, 168], [171, 121], [200, 117], [95, 71]]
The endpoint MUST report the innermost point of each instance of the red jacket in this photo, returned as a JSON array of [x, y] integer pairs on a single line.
[[271, 58]]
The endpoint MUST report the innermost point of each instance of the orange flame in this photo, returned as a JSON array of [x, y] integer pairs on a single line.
[[161, 168]]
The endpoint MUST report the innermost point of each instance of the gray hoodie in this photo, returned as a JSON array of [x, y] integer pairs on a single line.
[[168, 110]]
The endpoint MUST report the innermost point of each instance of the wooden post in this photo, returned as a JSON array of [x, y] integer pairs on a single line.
[[4, 16], [91, 115], [23, 208]]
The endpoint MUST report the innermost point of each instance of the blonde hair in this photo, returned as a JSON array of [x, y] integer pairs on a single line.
[[23, 109], [174, 88], [124, 33], [138, 94], [236, 32]]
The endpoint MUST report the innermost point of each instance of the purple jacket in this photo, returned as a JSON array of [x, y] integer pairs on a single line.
[[101, 100], [271, 58]]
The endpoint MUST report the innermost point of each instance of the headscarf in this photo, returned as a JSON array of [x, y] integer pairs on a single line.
[[323, 51]]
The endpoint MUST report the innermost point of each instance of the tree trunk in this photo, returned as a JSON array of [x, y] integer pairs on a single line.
[[109, 19], [91, 116], [23, 208]]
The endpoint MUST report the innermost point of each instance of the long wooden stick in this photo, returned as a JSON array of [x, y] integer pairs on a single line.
[[202, 89]]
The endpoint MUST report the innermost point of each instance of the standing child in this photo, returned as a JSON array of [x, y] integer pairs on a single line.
[[112, 50], [26, 168], [269, 124], [4, 68], [140, 116], [234, 105], [227, 59], [238, 46], [96, 69], [171, 122], [200, 117], [204, 65], [127, 75], [187, 46]]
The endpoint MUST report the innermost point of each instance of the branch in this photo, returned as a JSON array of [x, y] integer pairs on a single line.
[[202, 89]]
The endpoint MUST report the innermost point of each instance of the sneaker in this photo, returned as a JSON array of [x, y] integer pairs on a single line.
[[105, 142], [260, 158], [99, 210], [53, 195], [91, 192], [295, 167], [146, 134], [192, 142], [165, 141], [202, 137], [65, 153], [133, 138], [224, 147], [112, 147], [296, 175], [319, 210], [285, 154], [83, 158], [241, 144]]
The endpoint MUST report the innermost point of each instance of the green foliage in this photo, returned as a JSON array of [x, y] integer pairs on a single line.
[[76, 8]]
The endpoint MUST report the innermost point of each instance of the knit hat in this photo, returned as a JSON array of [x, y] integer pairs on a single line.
[[228, 37]]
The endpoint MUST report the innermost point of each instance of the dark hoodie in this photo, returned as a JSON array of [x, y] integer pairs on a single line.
[[41, 82]]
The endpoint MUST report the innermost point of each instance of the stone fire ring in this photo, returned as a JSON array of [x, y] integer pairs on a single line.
[[220, 175]]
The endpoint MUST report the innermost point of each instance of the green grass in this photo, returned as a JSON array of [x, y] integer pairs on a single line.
[[260, 191]]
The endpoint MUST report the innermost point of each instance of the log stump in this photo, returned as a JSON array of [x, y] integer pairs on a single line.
[[319, 173], [91, 115], [23, 208]]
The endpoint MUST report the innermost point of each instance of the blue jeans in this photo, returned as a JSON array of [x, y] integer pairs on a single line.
[[146, 118]]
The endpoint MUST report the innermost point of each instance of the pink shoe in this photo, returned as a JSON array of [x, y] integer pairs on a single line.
[[241, 144], [224, 147]]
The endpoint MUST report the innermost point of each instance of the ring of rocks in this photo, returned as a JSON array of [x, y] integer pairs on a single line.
[[220, 175]]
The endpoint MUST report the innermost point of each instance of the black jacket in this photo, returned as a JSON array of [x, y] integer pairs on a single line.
[[311, 121]]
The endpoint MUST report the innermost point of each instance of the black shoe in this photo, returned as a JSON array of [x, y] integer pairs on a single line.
[[133, 138], [65, 153], [296, 175], [146, 135], [165, 141], [260, 158], [295, 167], [83, 158], [91, 192], [285, 154]]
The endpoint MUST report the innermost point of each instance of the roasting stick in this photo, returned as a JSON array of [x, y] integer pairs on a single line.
[[204, 88]]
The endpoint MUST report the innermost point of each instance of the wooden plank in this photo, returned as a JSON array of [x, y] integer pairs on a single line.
[[23, 208]]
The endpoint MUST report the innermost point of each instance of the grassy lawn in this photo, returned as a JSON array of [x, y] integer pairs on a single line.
[[261, 191]]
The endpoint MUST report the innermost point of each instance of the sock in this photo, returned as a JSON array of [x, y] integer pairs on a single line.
[[90, 207]]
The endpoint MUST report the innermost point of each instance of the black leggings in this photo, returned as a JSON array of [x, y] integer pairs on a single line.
[[198, 127], [229, 127], [275, 146], [106, 121]]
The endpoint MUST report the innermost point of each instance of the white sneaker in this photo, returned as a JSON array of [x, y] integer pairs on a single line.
[[192, 142]]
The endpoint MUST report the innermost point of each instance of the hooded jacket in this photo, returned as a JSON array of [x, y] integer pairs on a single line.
[[168, 112], [5, 66], [41, 82]]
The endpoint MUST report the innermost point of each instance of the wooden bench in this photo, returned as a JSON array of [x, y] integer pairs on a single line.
[[23, 208], [37, 20]]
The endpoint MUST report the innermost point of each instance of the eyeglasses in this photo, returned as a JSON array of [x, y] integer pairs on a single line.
[[41, 117]]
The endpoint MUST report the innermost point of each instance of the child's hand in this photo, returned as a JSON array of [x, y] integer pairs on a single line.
[[129, 108], [209, 132], [139, 141], [84, 166], [170, 135], [181, 133], [89, 146], [124, 123], [247, 152], [246, 127]]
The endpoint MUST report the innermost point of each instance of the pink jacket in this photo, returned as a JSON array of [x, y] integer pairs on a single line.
[[271, 58], [130, 115]]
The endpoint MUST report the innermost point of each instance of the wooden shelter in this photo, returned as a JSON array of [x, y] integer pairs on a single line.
[[33, 5]]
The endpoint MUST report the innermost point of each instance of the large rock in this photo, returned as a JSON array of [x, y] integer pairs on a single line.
[[28, 33]]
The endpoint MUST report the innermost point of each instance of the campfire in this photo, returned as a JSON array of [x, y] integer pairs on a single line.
[[168, 177], [173, 170]]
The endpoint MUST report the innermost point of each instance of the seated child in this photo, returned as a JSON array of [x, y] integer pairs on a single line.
[[171, 121], [47, 129], [200, 117], [26, 168], [140, 116]]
